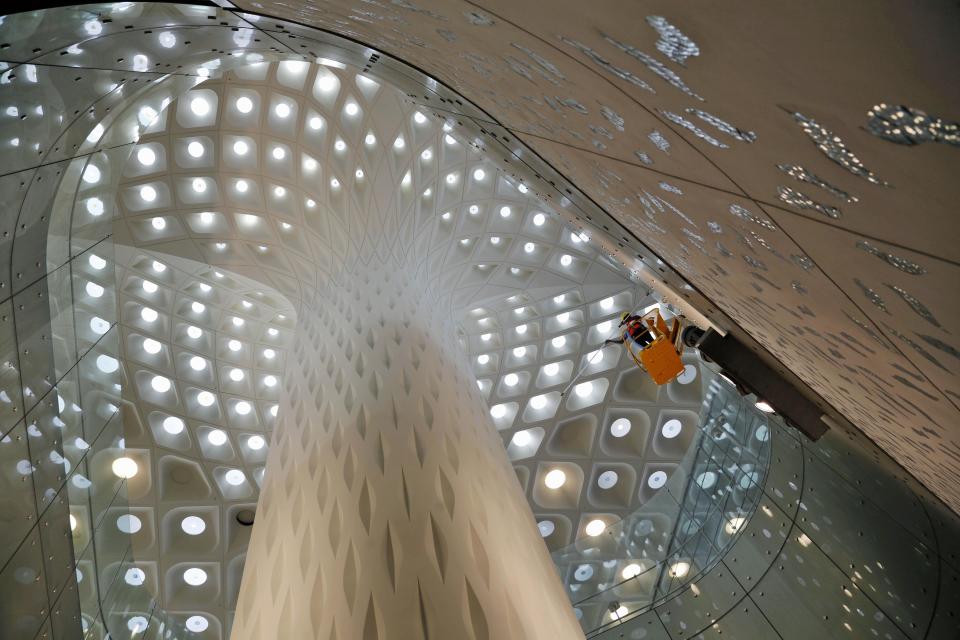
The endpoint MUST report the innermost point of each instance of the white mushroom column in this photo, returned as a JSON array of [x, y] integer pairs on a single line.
[[389, 508]]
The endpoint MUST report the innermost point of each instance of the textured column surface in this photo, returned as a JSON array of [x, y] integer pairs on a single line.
[[389, 509]]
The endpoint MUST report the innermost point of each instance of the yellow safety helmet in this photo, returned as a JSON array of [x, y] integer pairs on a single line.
[[624, 316]]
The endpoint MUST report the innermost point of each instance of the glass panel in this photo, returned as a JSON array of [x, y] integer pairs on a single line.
[[23, 591], [805, 596], [743, 621], [17, 506]]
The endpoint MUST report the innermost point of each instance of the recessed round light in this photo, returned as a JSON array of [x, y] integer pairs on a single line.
[[243, 407], [521, 438], [148, 193], [551, 369], [194, 576], [197, 624], [279, 153], [235, 477], [657, 479], [504, 212], [237, 375], [566, 260], [595, 527], [146, 156], [538, 402], [199, 185], [124, 467], [173, 425], [351, 108], [555, 479], [315, 123], [195, 149], [498, 411], [583, 389], [205, 399], [607, 479], [193, 525], [160, 384], [282, 110], [558, 342], [256, 442], [217, 437], [479, 174], [151, 346], [671, 428], [244, 104], [240, 148], [129, 523], [148, 314], [200, 106], [194, 332], [620, 427], [511, 379]]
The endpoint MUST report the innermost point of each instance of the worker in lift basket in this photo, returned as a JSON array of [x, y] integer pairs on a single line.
[[634, 329]]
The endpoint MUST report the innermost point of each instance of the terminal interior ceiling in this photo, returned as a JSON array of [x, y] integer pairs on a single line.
[[307, 307]]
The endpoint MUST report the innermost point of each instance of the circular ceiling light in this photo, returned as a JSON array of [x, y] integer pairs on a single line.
[[173, 425], [566, 260], [426, 154], [196, 362], [511, 379], [235, 477], [256, 443], [498, 411], [583, 389], [483, 358], [242, 186], [244, 104], [538, 402], [504, 212], [551, 369], [197, 624], [419, 118], [200, 106], [279, 153], [243, 407], [351, 109], [559, 341], [205, 398], [518, 352], [521, 438], [194, 332], [546, 528], [520, 329], [160, 384], [479, 174], [734, 524], [555, 479], [631, 571], [607, 479], [657, 479], [124, 467], [199, 185], [158, 223], [95, 206], [148, 193], [370, 140], [195, 149], [595, 528], [240, 148], [620, 427], [91, 174], [193, 525], [146, 156], [529, 247], [679, 569], [194, 576], [315, 123], [217, 437], [134, 577], [94, 290], [269, 354], [270, 381], [148, 314], [563, 317], [282, 110], [198, 307], [151, 346], [149, 287], [137, 624], [606, 304], [236, 375], [688, 375], [671, 428], [399, 143]]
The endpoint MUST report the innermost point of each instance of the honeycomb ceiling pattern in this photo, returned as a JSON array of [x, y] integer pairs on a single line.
[[221, 210], [753, 175]]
